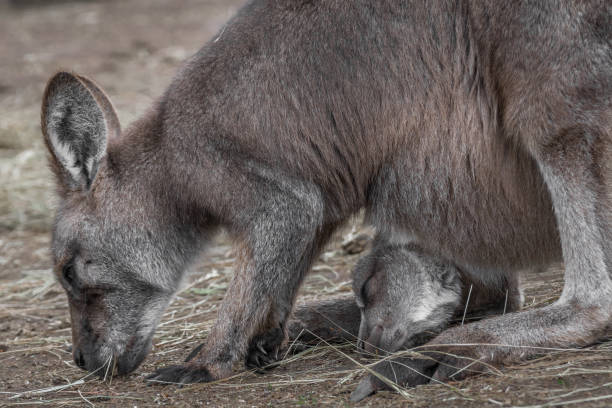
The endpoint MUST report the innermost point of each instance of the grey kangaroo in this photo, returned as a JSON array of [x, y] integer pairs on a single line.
[[479, 131]]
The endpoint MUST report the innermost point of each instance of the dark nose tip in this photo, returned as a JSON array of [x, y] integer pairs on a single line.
[[79, 359]]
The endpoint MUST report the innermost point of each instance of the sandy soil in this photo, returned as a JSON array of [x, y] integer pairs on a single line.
[[132, 48]]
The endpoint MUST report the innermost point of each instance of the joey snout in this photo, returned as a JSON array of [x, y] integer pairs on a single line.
[[370, 342], [383, 339]]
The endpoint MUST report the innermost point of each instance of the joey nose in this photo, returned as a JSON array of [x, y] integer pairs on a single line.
[[372, 343], [79, 359]]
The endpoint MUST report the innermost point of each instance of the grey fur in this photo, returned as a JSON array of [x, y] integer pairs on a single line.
[[403, 294], [76, 130], [407, 296], [481, 130]]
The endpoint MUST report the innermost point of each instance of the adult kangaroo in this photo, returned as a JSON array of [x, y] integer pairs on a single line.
[[479, 131]]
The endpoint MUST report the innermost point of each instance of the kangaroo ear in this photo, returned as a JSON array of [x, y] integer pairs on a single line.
[[77, 121]]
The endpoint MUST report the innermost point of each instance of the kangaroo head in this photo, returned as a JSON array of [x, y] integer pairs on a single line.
[[403, 295], [119, 264]]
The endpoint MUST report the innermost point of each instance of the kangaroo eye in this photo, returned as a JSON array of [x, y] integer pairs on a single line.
[[92, 297], [68, 273]]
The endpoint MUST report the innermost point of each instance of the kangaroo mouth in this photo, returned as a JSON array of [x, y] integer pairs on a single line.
[[105, 364], [135, 353]]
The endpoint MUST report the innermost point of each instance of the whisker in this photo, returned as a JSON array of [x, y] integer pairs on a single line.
[[467, 302]]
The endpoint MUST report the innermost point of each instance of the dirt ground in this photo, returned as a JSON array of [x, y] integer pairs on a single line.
[[132, 48]]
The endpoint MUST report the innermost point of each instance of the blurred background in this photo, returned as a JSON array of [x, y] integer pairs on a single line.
[[130, 47]]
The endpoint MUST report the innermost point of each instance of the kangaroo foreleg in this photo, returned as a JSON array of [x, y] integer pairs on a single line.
[[283, 234], [330, 320]]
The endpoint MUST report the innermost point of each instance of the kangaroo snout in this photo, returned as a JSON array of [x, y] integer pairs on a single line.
[[105, 364]]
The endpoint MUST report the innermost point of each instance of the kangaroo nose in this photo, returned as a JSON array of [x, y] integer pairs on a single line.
[[79, 359]]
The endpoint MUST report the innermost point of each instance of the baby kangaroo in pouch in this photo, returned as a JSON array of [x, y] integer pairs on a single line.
[[406, 296], [476, 136]]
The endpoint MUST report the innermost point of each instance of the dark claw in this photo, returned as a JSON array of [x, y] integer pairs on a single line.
[[263, 350], [179, 375], [194, 352], [260, 362], [252, 362]]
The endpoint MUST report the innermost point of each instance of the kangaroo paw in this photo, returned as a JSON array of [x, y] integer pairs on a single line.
[[179, 375], [263, 352], [403, 371]]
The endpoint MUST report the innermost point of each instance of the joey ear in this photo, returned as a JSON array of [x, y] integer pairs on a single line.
[[77, 121], [450, 278], [364, 269]]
